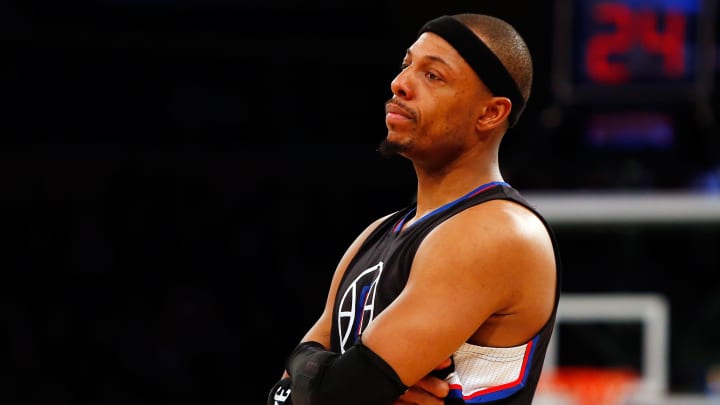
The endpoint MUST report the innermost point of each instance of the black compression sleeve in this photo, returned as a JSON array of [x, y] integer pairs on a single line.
[[358, 377]]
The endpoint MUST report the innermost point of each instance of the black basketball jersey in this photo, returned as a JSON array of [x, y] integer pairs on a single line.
[[378, 273]]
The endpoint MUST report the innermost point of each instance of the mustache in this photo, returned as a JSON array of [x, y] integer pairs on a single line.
[[402, 106]]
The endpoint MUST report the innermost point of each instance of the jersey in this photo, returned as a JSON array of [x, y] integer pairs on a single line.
[[378, 273]]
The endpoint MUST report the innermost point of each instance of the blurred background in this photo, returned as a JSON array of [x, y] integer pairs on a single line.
[[180, 177]]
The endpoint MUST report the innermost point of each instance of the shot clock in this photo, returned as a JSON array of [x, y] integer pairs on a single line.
[[625, 50], [633, 82]]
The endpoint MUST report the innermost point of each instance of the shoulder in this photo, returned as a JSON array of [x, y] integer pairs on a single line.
[[500, 242], [495, 223], [374, 225], [361, 238], [347, 257]]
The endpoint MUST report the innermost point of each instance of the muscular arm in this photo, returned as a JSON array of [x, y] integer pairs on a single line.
[[494, 260]]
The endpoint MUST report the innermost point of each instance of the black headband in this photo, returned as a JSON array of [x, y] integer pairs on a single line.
[[482, 60]]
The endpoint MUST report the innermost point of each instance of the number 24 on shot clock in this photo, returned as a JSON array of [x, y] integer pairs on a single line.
[[636, 42]]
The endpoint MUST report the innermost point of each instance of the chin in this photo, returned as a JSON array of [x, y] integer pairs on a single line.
[[389, 148]]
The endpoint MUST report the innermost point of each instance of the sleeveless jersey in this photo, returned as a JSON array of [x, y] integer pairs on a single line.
[[378, 273]]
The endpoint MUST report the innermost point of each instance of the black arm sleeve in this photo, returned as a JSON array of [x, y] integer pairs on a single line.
[[357, 377]]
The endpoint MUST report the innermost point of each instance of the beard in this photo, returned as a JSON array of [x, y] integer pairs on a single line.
[[388, 149]]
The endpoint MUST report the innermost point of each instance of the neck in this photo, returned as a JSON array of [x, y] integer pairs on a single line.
[[434, 191]]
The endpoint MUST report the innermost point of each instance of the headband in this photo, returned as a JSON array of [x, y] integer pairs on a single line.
[[480, 58]]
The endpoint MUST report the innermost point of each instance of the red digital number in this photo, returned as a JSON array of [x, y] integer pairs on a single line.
[[602, 46], [632, 28], [669, 43]]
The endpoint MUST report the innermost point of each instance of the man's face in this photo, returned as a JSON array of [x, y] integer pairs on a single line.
[[437, 98]]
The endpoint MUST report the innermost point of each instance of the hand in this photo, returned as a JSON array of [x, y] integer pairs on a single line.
[[428, 391]]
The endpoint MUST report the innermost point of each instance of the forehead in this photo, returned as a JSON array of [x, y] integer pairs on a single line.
[[432, 46]]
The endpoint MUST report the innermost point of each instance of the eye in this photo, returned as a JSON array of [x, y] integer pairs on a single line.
[[432, 76], [404, 65]]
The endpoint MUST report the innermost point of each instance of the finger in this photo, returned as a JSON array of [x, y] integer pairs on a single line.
[[444, 364], [432, 386], [418, 396], [443, 370]]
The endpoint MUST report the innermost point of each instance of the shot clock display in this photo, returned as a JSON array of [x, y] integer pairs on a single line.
[[633, 49]]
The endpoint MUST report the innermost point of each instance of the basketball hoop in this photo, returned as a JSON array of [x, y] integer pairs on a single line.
[[589, 385]]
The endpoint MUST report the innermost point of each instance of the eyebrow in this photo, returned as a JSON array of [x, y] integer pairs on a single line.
[[434, 58]]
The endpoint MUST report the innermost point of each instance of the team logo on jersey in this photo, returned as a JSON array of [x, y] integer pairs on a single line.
[[281, 395], [357, 306]]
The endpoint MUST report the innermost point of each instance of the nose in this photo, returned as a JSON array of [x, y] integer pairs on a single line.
[[401, 86]]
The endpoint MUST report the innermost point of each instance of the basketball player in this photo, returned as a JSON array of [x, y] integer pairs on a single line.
[[462, 284]]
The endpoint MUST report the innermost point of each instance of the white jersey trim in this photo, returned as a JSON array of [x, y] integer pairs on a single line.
[[478, 368]]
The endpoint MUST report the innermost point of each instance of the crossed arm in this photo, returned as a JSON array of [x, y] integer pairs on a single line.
[[461, 277]]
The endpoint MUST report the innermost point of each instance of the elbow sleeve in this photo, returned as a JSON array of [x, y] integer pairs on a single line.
[[357, 377]]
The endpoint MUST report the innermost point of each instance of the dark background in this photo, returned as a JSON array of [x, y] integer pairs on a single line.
[[179, 179]]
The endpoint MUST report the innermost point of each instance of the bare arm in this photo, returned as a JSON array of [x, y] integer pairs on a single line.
[[429, 390], [485, 276], [492, 261]]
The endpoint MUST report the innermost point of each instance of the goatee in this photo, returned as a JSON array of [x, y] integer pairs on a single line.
[[388, 149]]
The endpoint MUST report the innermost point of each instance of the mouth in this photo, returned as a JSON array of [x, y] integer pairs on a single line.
[[395, 112]]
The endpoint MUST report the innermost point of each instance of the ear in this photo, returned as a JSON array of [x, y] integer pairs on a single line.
[[495, 113]]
